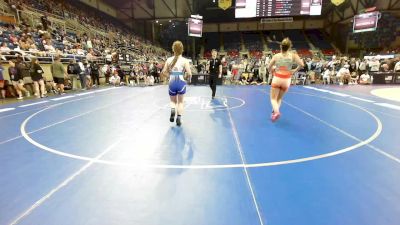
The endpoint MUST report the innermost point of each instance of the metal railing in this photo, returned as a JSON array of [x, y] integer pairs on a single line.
[[65, 58]]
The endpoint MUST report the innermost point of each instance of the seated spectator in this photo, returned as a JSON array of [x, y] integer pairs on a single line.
[[365, 79], [115, 79], [397, 66], [23, 44], [106, 70], [133, 78], [384, 67], [149, 81], [343, 75], [326, 76], [141, 75], [4, 49], [91, 55], [47, 43]]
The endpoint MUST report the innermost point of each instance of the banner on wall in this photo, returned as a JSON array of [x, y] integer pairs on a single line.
[[224, 4], [337, 2]]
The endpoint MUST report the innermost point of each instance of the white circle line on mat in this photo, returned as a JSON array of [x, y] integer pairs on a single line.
[[211, 166]]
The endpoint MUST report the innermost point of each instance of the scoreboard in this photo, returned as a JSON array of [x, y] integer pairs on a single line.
[[273, 8], [195, 27], [365, 22]]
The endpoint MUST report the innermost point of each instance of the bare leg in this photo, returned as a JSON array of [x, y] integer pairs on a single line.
[[180, 109], [42, 87], [22, 88], [36, 88], [280, 97], [19, 93], [61, 88], [180, 105], [3, 93], [274, 99]]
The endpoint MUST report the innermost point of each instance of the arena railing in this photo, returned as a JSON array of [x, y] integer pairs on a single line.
[[36, 15], [65, 58]]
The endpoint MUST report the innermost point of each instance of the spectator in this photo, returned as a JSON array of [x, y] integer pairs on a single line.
[[36, 73], [87, 72], [115, 79], [343, 75], [59, 74], [362, 67], [4, 49], [2, 81], [45, 22], [17, 80], [263, 72], [326, 77], [374, 65], [23, 44], [397, 66], [106, 69], [94, 73], [365, 79]]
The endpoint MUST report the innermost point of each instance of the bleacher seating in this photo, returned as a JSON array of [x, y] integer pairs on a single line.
[[252, 41], [317, 39], [383, 36], [211, 41], [233, 53], [256, 54], [232, 41], [304, 52], [274, 46], [275, 35]]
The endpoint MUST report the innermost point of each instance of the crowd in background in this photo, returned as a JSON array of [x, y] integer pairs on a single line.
[[91, 56], [332, 70], [42, 37], [96, 56]]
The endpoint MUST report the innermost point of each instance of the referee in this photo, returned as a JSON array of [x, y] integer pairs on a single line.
[[215, 70]]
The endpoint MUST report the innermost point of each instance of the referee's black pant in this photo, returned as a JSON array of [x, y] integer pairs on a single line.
[[213, 84]]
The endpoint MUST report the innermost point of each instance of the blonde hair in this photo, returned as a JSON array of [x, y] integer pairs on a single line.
[[286, 44], [177, 48]]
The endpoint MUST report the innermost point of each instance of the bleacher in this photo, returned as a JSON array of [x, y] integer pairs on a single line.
[[275, 35], [317, 39], [386, 33], [252, 41], [232, 41], [274, 46], [211, 41]]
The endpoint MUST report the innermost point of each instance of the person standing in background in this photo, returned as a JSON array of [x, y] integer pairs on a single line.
[[263, 72], [2, 82], [215, 71], [94, 73], [17, 71], [36, 73], [59, 74]]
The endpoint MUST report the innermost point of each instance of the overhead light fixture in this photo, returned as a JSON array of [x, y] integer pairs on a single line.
[[170, 21], [156, 21]]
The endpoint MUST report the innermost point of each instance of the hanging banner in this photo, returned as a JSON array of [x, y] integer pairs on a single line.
[[224, 4], [337, 2]]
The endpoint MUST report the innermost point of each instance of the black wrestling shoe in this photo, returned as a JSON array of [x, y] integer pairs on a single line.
[[178, 121], [172, 117]]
